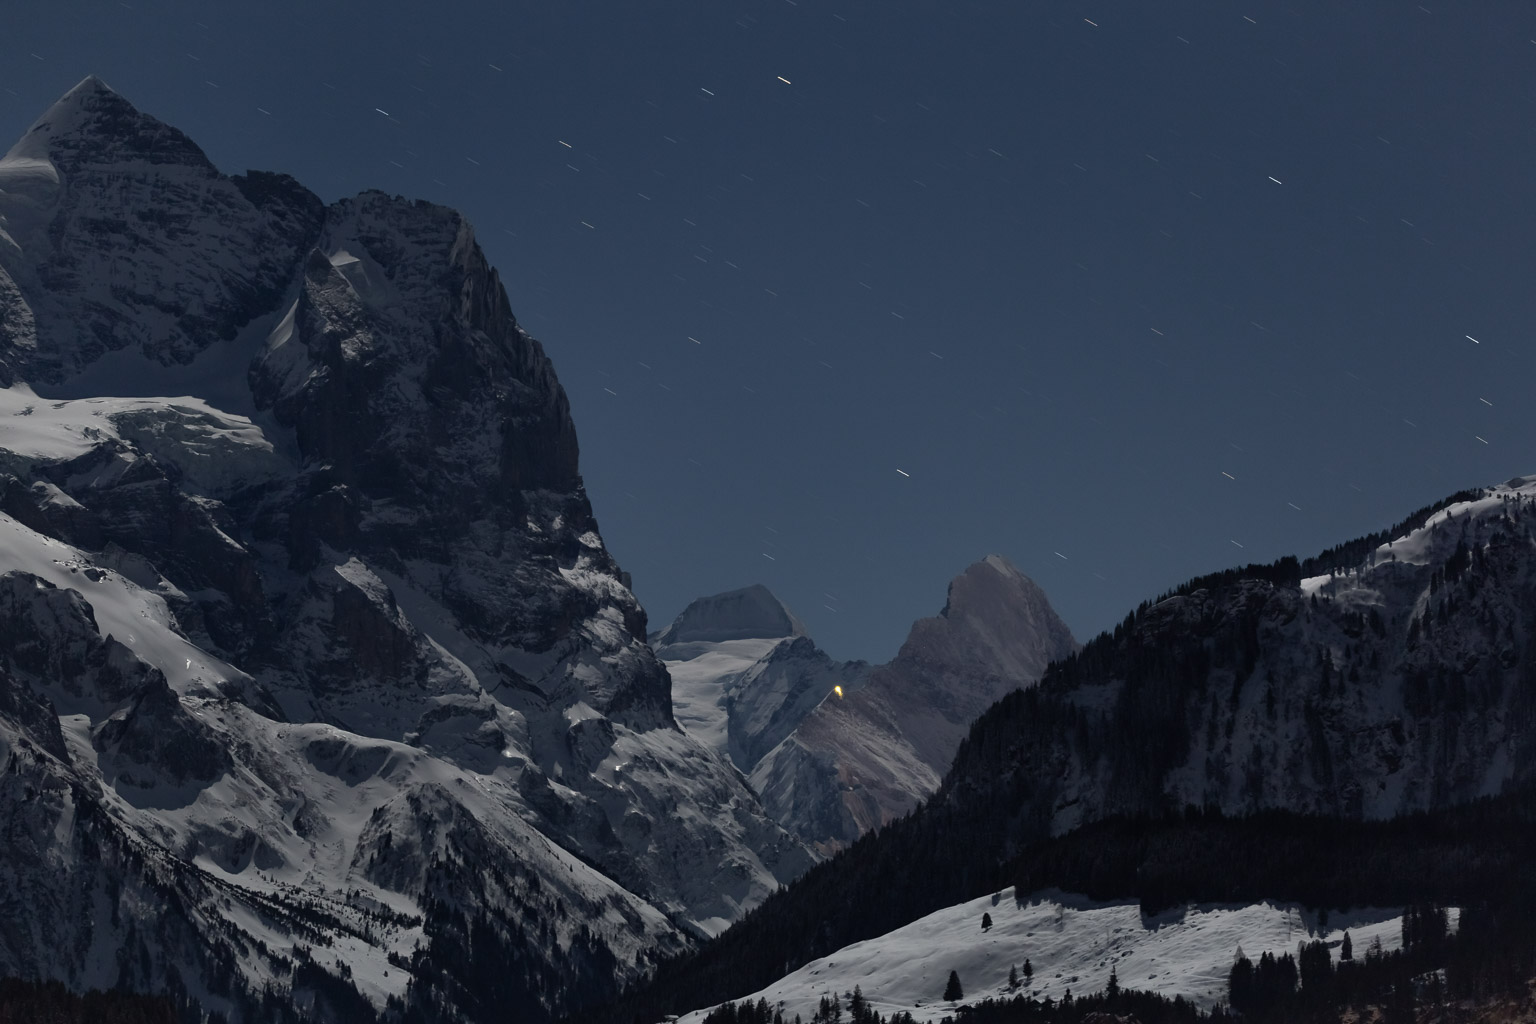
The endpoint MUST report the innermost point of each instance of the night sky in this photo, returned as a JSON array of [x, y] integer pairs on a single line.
[[847, 295]]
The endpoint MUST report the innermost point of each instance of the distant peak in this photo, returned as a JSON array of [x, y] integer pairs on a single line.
[[749, 613], [991, 579], [92, 124]]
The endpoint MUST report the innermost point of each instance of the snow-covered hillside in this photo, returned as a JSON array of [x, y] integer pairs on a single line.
[[1071, 943]]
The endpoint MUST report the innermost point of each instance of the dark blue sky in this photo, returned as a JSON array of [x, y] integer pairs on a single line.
[[847, 295]]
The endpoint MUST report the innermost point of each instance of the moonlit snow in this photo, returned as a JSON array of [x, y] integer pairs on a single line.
[[1071, 942]]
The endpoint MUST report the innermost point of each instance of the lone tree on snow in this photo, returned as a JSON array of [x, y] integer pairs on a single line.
[[986, 921], [953, 991]]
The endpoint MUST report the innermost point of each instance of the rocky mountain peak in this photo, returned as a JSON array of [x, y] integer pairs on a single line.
[[749, 613], [91, 124], [94, 179], [996, 618]]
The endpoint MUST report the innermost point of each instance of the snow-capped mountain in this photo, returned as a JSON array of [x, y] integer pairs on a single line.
[[837, 748], [855, 763], [317, 676]]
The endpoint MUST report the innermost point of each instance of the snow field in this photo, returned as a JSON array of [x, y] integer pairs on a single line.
[[701, 684]]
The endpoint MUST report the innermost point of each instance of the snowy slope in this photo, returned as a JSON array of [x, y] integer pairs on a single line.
[[299, 812], [1071, 942], [702, 674]]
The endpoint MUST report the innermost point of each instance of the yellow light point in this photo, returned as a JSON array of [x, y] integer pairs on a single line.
[[837, 690]]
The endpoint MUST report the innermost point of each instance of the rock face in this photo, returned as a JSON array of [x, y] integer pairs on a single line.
[[1388, 676], [318, 678], [831, 767], [855, 763]]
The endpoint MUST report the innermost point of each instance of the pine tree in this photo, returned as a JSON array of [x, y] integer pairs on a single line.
[[1240, 982], [1029, 971], [986, 921], [1346, 949], [1013, 977], [953, 991]]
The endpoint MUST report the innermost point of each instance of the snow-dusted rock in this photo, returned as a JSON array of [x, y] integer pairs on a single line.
[[95, 180], [320, 665], [746, 614]]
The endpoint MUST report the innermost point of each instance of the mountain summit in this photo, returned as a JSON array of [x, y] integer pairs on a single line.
[[326, 653], [91, 125], [734, 615], [117, 234]]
